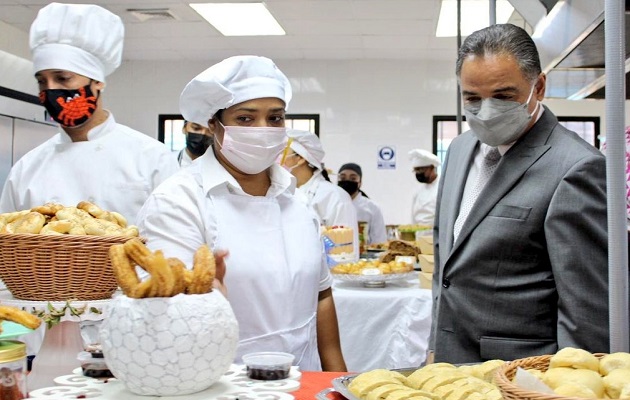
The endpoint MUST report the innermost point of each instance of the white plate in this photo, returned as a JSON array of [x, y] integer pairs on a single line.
[[375, 278]]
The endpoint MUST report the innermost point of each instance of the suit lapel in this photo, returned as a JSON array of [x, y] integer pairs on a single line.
[[514, 163]]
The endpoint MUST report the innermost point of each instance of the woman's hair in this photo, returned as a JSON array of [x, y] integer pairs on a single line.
[[325, 173], [502, 39]]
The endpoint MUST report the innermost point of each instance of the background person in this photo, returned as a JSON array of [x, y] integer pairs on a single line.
[[525, 271], [93, 158], [349, 179], [332, 204], [425, 166], [236, 197], [198, 139]]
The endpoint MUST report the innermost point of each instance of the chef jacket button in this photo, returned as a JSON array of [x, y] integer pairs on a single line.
[[446, 283]]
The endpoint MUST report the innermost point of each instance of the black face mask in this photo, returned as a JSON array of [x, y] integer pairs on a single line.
[[69, 107], [421, 177], [349, 186], [197, 143]]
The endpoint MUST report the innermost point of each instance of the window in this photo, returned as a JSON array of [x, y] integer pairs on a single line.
[[170, 131], [445, 130], [304, 122]]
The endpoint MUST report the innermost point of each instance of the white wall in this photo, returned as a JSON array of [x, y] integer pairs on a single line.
[[362, 104]]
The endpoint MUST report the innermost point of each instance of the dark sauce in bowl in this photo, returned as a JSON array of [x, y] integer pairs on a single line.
[[267, 374]]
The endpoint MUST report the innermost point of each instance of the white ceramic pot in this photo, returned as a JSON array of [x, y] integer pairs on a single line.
[[169, 346]]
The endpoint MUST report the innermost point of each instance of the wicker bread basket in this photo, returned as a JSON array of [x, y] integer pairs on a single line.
[[57, 267], [510, 391]]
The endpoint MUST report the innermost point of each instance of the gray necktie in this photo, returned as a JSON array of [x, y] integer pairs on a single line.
[[488, 166]]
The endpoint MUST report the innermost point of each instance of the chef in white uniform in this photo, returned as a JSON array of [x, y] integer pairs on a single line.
[[236, 197], [332, 204], [93, 158], [198, 139], [425, 165], [349, 178]]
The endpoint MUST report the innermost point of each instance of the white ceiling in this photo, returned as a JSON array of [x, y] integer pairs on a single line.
[[316, 30]]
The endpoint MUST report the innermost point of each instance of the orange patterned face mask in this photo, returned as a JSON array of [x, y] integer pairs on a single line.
[[69, 107]]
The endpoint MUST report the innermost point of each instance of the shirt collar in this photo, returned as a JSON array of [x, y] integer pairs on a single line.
[[214, 177], [97, 132]]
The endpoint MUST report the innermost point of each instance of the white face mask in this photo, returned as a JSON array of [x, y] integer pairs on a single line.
[[497, 122], [252, 149]]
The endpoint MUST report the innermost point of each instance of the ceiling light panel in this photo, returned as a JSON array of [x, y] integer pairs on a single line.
[[475, 16], [239, 19]]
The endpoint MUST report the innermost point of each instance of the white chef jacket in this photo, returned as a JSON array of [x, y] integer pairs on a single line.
[[332, 204], [423, 203], [276, 267], [116, 168], [183, 158], [368, 211]]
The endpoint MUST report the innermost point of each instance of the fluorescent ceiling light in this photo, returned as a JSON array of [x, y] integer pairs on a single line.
[[239, 19], [544, 23], [475, 16]]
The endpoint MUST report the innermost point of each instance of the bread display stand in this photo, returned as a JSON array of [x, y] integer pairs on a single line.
[[234, 384], [62, 342]]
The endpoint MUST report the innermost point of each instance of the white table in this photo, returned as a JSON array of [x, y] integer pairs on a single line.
[[233, 385], [383, 327]]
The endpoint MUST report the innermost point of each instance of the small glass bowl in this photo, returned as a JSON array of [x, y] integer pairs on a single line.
[[268, 365]]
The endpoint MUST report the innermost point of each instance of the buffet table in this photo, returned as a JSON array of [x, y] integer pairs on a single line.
[[299, 386], [383, 327]]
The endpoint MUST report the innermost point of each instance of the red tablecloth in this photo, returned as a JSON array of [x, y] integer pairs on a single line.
[[312, 383]]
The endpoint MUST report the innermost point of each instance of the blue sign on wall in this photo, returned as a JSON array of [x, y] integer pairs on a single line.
[[386, 157]]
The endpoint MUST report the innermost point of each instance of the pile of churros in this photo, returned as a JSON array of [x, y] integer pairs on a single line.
[[168, 276], [14, 314]]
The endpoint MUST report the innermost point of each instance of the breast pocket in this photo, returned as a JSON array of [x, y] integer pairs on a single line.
[[510, 212]]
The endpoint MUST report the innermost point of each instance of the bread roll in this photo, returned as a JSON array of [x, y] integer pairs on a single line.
[[574, 358], [613, 361], [615, 382], [573, 389]]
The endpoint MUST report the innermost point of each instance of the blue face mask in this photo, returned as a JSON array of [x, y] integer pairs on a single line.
[[498, 122]]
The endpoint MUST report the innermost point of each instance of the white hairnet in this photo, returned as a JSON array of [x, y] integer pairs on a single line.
[[83, 38], [232, 81], [307, 145], [423, 158]]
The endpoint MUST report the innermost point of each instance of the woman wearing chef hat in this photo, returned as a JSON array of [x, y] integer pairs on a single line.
[[425, 166], [74, 47], [331, 203], [236, 197]]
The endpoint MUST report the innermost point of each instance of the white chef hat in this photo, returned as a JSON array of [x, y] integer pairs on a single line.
[[308, 146], [232, 81], [83, 38], [423, 158]]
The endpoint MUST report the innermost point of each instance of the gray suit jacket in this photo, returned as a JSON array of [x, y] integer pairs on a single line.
[[529, 272]]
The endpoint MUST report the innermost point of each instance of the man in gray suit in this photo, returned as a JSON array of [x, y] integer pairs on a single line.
[[521, 269]]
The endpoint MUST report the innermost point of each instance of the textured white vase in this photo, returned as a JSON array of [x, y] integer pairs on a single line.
[[169, 346]]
